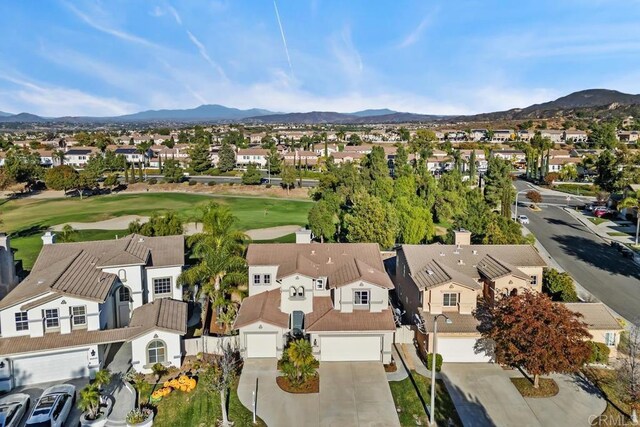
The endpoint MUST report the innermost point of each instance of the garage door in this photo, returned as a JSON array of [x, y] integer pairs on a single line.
[[50, 367], [350, 348], [460, 350], [261, 345]]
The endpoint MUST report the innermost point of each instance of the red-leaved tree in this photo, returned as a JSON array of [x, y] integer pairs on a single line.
[[532, 332]]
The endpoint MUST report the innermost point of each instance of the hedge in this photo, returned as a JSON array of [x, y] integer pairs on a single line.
[[438, 361], [599, 353]]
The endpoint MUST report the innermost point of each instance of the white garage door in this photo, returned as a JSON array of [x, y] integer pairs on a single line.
[[261, 345], [51, 367], [350, 348], [460, 350]]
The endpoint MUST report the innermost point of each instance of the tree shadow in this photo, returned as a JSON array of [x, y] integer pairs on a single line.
[[598, 254], [470, 410], [556, 221]]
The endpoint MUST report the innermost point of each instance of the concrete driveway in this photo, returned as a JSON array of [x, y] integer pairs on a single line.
[[351, 394], [484, 396]]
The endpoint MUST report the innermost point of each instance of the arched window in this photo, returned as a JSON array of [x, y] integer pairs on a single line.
[[122, 275], [301, 292], [293, 292], [124, 294], [156, 352]]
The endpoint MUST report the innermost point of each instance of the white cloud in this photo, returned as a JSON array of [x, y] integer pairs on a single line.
[[205, 55], [175, 14], [416, 34], [346, 54], [123, 35], [55, 101]]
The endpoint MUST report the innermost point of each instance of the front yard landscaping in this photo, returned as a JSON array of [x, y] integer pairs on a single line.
[[411, 403], [311, 385], [547, 388], [617, 412], [200, 408], [598, 221]]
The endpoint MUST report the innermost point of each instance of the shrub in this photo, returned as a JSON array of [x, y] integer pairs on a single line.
[[438, 361], [192, 183], [599, 353], [268, 185], [137, 416], [152, 181], [211, 183], [231, 184]]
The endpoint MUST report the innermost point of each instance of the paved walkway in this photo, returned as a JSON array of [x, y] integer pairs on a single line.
[[351, 394], [603, 228], [119, 362], [484, 396]]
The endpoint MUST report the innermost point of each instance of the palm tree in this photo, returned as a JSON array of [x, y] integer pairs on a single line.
[[632, 201], [59, 155], [90, 401], [221, 271], [303, 364]]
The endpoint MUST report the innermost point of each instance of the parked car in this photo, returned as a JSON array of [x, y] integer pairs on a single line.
[[53, 406], [13, 408], [523, 219], [602, 212]]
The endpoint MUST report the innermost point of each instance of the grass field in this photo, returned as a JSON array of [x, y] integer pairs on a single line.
[[26, 219], [577, 189]]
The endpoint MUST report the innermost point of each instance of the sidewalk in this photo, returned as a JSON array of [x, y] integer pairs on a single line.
[[602, 229], [549, 192]]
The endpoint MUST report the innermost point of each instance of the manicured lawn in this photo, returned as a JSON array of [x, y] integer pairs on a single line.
[[579, 190], [27, 248], [598, 221], [26, 215], [408, 400], [617, 412], [26, 219], [289, 238], [617, 234], [200, 408], [547, 387]]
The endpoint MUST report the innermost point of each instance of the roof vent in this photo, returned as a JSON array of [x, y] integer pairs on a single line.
[[329, 260], [460, 262], [430, 272], [474, 252], [313, 252], [456, 252], [40, 282], [441, 253], [140, 240]]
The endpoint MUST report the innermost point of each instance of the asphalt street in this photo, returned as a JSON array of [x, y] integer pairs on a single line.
[[592, 262]]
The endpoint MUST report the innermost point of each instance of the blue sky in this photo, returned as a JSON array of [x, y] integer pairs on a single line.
[[444, 57]]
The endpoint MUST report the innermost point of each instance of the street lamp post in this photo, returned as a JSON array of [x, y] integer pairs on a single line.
[[515, 212], [432, 418]]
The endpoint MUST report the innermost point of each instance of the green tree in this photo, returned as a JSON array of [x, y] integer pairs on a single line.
[[632, 201], [354, 139], [603, 135], [499, 191], [288, 177], [609, 175], [274, 161], [227, 158], [220, 376], [22, 165], [559, 286], [323, 220], [503, 231], [68, 234], [371, 220], [200, 158], [252, 175], [299, 364], [168, 224], [62, 177], [476, 217], [473, 167], [173, 171]]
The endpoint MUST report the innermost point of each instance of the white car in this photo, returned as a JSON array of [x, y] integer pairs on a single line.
[[523, 219], [53, 407], [13, 408]]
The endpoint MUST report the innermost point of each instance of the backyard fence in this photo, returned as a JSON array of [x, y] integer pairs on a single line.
[[209, 345]]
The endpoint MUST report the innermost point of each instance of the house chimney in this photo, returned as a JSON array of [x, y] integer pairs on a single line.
[[303, 236], [48, 238], [462, 238]]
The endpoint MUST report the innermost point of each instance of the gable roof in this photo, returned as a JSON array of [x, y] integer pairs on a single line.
[[325, 319], [436, 274], [596, 315], [75, 268], [164, 313], [263, 307], [493, 269], [341, 263]]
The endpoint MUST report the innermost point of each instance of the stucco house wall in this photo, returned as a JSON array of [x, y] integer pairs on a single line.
[[173, 352]]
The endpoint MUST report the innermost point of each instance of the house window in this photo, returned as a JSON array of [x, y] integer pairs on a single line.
[[156, 352], [319, 284], [534, 280], [51, 318], [162, 286], [122, 275], [361, 298], [79, 315], [300, 292], [266, 279], [449, 300], [22, 324], [610, 338], [256, 279], [124, 294]]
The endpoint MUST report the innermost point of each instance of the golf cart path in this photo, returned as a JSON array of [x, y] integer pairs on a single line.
[[122, 223]]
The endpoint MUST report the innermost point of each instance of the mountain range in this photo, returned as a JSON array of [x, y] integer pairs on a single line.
[[587, 99]]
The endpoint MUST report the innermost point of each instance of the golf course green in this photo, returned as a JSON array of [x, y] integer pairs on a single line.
[[26, 219]]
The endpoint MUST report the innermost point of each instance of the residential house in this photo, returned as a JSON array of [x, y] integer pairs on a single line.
[[481, 160], [331, 148], [575, 136], [556, 136], [517, 157], [449, 279], [525, 135], [160, 153], [603, 327], [359, 149], [556, 164], [132, 154], [47, 158], [502, 135], [477, 134], [629, 137], [301, 158], [79, 156], [345, 157], [336, 295], [256, 156], [81, 298]]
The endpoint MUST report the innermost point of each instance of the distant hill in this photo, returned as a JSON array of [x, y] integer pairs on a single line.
[[3, 114], [373, 113], [591, 101], [22, 118], [212, 112], [314, 117]]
